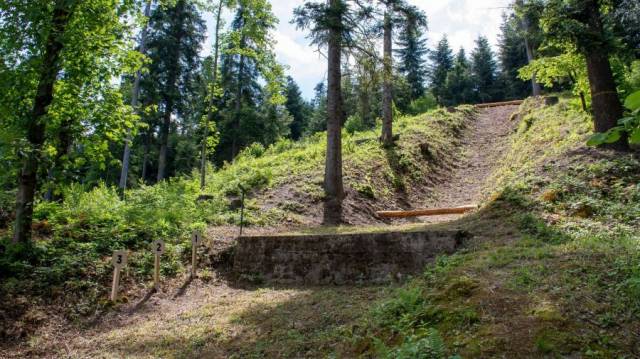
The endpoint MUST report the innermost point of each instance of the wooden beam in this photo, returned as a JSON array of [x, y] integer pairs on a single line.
[[426, 212], [498, 104]]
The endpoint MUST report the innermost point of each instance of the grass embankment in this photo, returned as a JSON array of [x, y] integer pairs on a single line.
[[67, 269], [554, 269]]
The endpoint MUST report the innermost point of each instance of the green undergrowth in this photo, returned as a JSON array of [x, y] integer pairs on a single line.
[[75, 237], [554, 269]]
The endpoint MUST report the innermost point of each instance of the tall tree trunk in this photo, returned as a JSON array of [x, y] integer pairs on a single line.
[[172, 79], [333, 187], [203, 159], [164, 140], [135, 93], [387, 88], [536, 89], [607, 109], [145, 157], [35, 126], [236, 120], [365, 106]]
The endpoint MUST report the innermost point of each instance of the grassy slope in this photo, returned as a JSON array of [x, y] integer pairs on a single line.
[[553, 269], [75, 238]]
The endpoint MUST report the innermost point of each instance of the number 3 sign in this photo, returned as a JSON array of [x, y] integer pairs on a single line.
[[158, 247], [119, 259]]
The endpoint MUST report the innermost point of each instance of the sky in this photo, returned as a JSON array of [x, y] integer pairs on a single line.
[[461, 20]]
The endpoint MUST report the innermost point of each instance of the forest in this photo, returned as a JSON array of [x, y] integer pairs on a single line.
[[129, 121]]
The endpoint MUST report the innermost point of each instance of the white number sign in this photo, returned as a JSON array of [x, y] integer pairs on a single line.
[[196, 238], [158, 246], [119, 259]]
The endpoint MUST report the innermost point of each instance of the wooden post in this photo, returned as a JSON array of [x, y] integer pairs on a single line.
[[119, 260], [158, 250], [241, 211], [115, 284], [156, 272], [196, 238]]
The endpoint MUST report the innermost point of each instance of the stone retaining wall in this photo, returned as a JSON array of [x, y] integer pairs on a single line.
[[341, 258]]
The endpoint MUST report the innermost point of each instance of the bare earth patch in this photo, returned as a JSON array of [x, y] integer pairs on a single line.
[[484, 145]]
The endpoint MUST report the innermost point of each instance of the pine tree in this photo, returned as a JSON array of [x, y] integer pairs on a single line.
[[298, 109], [441, 64], [318, 120], [248, 62], [483, 71], [331, 24], [175, 37], [211, 93], [627, 18], [411, 51], [458, 87], [368, 79], [512, 53], [349, 92]]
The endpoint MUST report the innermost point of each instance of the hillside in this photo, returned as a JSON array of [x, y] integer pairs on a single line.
[[260, 179], [75, 238], [558, 226]]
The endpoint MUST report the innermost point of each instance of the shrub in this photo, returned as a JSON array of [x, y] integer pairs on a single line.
[[423, 104], [255, 150], [354, 124]]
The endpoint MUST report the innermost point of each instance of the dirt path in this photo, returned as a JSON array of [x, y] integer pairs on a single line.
[[484, 145]]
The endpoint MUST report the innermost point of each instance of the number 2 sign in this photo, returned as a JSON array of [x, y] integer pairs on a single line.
[[158, 247], [196, 238]]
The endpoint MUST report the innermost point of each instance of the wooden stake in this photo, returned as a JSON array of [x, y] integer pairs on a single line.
[[426, 212], [195, 240], [156, 272], [193, 261], [115, 286], [158, 249], [119, 260]]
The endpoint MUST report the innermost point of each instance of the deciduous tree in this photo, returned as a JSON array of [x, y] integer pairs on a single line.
[[587, 25]]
